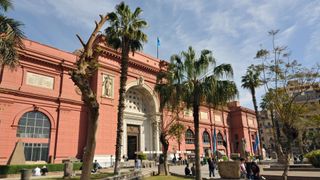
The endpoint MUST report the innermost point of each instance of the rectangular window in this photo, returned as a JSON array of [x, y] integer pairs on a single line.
[[36, 151]]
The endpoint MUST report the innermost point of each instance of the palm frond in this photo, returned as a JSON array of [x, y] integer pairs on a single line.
[[5, 5], [10, 38]]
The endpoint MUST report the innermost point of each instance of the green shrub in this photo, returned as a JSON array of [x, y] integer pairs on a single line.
[[15, 169], [225, 158], [142, 156], [314, 157]]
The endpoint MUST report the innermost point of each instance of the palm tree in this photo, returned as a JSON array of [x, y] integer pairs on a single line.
[[169, 95], [201, 81], [10, 37], [124, 33], [252, 81]]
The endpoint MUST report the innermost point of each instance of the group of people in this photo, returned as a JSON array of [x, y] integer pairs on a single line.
[[192, 172], [40, 172], [95, 166], [249, 170], [187, 171]]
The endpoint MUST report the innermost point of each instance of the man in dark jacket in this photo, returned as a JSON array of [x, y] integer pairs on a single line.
[[212, 166], [187, 170], [255, 170]]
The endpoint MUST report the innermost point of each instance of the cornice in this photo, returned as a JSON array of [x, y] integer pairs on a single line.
[[40, 97]]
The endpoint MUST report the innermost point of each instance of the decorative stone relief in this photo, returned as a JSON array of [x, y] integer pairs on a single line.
[[134, 102], [107, 86], [39, 80], [204, 115], [250, 120], [217, 118], [141, 81]]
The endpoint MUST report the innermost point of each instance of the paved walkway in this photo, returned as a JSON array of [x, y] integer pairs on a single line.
[[205, 172], [180, 170]]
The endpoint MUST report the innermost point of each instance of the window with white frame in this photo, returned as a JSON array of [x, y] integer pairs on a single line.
[[206, 137], [189, 137]]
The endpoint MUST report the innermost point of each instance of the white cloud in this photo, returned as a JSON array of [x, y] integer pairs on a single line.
[[233, 30], [76, 12]]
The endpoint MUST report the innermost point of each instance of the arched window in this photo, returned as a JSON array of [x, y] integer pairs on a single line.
[[189, 137], [220, 139], [35, 124], [206, 137]]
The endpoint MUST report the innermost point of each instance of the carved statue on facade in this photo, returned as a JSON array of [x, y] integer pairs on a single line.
[[107, 85], [141, 81]]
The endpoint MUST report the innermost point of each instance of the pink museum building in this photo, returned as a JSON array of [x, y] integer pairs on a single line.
[[41, 107]]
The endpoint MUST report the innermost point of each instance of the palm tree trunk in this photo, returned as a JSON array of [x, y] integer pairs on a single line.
[[121, 105], [196, 107], [254, 100], [91, 141], [165, 147]]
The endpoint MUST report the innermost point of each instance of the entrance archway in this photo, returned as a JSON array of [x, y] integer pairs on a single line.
[[141, 124]]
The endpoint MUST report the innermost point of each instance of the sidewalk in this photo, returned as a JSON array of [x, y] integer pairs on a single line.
[[205, 172]]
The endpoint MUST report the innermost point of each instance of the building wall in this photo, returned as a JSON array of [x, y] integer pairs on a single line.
[[41, 83]]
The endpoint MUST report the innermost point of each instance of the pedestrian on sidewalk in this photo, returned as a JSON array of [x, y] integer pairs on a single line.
[[193, 170], [212, 166], [187, 170]]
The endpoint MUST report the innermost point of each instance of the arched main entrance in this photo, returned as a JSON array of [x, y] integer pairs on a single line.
[[141, 124]]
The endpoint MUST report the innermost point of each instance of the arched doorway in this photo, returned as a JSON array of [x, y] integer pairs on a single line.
[[141, 126], [34, 127]]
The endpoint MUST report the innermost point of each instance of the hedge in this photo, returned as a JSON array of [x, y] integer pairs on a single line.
[[314, 157], [15, 169], [142, 156]]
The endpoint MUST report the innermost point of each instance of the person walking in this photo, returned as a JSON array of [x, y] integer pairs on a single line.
[[212, 166], [255, 171], [193, 170], [187, 170]]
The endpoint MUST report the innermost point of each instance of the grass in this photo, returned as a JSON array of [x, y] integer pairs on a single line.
[[93, 176], [164, 177]]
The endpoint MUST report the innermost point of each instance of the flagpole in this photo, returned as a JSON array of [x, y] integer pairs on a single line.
[[157, 52], [158, 44]]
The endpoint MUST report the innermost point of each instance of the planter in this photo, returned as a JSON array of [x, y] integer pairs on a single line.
[[229, 169]]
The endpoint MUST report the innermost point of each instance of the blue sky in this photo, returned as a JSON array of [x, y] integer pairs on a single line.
[[233, 30]]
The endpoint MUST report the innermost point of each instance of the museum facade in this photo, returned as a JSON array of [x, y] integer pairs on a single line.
[[41, 108]]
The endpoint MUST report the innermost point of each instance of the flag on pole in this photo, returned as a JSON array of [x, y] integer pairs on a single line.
[[214, 140], [256, 143], [158, 42], [158, 45]]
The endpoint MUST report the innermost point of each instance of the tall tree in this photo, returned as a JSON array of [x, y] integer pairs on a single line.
[[170, 97], [86, 67], [287, 83], [11, 37], [125, 33], [200, 82], [251, 81]]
